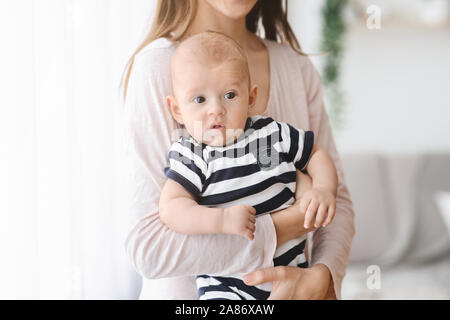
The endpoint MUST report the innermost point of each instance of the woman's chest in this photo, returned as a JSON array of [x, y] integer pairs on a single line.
[[281, 90]]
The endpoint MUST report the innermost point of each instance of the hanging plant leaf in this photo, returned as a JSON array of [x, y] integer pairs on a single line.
[[333, 31]]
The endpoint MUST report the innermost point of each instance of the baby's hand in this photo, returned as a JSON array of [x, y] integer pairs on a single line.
[[239, 220], [319, 205]]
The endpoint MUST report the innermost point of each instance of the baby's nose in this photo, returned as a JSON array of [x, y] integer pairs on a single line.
[[216, 108]]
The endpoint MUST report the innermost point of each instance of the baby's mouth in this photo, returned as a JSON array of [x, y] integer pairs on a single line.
[[217, 126]]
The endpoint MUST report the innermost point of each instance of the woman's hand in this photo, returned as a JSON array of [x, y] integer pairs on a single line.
[[293, 283]]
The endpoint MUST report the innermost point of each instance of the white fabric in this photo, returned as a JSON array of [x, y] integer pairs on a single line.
[[60, 224]]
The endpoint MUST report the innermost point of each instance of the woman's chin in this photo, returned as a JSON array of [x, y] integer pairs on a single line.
[[231, 14], [235, 9]]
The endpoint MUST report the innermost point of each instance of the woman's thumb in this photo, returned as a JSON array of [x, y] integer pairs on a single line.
[[261, 276]]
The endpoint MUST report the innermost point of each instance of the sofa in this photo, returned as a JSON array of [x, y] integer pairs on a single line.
[[402, 222]]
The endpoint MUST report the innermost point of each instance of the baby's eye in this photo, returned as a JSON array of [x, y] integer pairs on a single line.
[[199, 99], [230, 95]]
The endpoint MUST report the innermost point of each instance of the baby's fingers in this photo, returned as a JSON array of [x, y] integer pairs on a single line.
[[304, 203], [331, 213], [252, 210], [249, 234], [321, 215], [310, 214]]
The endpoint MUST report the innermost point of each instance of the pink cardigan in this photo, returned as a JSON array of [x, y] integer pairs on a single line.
[[157, 252]]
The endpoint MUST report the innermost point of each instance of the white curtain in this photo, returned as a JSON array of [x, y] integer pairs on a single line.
[[61, 216]]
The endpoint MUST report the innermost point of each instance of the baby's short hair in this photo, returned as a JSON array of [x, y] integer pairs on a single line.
[[216, 46]]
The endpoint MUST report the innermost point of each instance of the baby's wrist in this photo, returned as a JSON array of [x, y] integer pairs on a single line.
[[325, 188], [214, 220]]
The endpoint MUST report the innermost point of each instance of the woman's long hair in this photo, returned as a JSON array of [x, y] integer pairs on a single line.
[[171, 14]]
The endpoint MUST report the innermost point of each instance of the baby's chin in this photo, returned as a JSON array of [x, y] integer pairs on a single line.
[[215, 138], [217, 142], [221, 140]]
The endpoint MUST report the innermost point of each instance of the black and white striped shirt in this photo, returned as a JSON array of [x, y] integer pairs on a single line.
[[258, 169]]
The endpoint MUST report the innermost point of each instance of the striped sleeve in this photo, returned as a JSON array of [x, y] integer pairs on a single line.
[[298, 145], [186, 166]]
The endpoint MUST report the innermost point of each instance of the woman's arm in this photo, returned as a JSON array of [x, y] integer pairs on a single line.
[[154, 250], [329, 246]]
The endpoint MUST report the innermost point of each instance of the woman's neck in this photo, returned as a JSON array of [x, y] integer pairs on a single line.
[[208, 18]]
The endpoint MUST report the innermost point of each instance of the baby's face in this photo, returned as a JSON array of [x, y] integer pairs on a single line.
[[213, 100]]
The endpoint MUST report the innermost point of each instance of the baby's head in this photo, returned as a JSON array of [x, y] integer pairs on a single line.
[[212, 93]]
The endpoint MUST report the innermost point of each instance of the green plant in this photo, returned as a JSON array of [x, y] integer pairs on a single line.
[[333, 31]]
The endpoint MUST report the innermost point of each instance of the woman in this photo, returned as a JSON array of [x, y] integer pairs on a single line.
[[288, 90]]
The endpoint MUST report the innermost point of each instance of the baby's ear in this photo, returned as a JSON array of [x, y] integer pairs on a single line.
[[252, 95], [174, 109]]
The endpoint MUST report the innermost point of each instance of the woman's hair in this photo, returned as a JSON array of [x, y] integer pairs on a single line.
[[171, 14]]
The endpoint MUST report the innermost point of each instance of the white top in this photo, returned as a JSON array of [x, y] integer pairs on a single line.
[[156, 251]]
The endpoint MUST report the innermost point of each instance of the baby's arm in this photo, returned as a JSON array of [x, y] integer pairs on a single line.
[[320, 201], [287, 220], [303, 184], [180, 212]]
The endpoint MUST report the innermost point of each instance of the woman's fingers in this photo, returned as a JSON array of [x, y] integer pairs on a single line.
[[265, 275], [280, 293]]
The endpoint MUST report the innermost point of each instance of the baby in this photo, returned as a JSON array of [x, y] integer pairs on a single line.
[[233, 167]]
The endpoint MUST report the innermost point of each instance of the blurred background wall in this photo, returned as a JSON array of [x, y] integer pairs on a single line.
[[395, 79], [396, 83]]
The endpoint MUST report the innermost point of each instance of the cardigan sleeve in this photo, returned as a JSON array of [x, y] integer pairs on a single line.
[[155, 250], [330, 245]]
